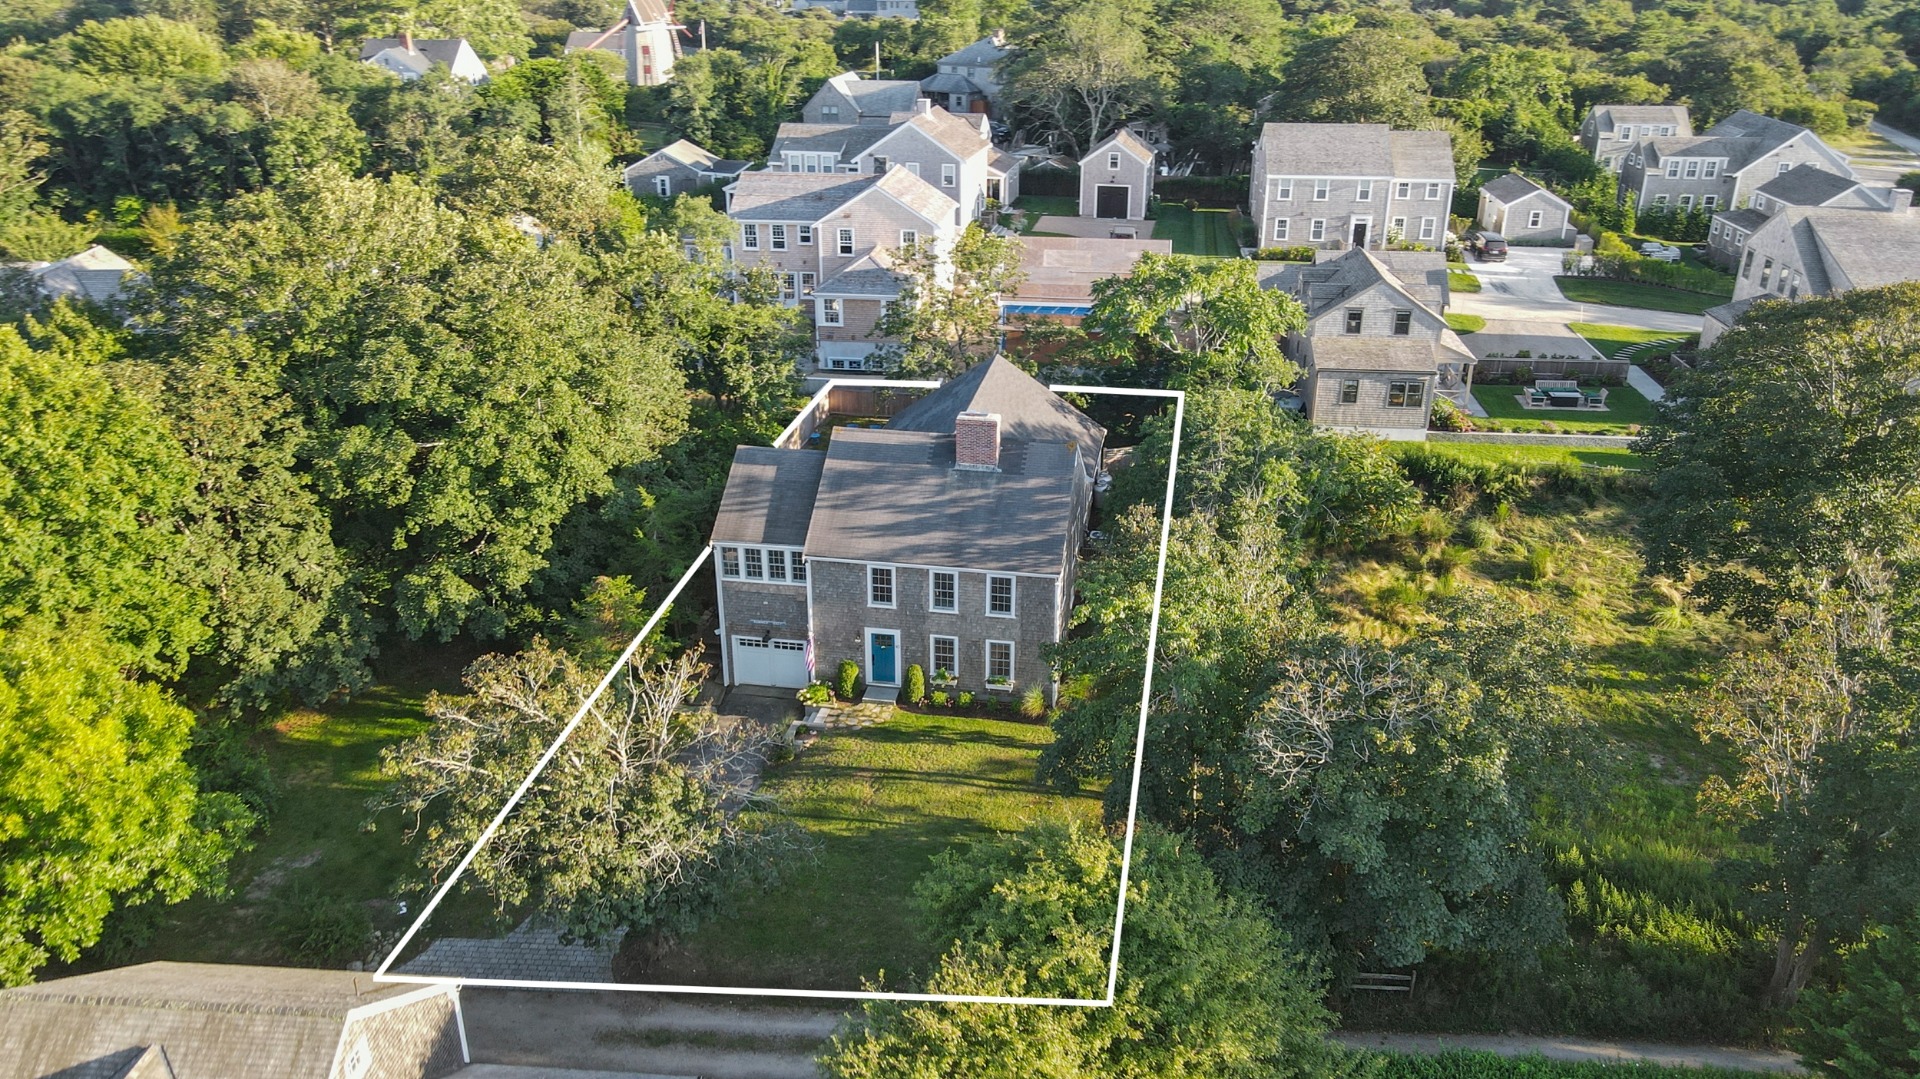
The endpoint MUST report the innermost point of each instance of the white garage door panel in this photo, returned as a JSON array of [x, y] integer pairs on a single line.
[[769, 663]]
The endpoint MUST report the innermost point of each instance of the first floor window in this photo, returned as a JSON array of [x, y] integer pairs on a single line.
[[730, 562], [1000, 596], [1709, 202], [776, 564], [1280, 228], [1000, 662], [946, 658], [787, 288], [1686, 202], [879, 586], [806, 283], [1349, 391], [1534, 218], [756, 570], [1766, 271], [1317, 229], [1660, 200], [1746, 268], [1406, 394], [1400, 227], [943, 591], [830, 313], [1426, 228]]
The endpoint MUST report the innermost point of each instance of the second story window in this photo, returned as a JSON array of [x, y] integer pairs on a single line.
[[806, 236], [1280, 187], [777, 235], [845, 244], [776, 564], [943, 591], [1693, 168], [879, 164], [729, 561], [750, 236], [1673, 169], [1433, 191], [1321, 189], [1403, 190], [1365, 194], [1402, 323], [1626, 132], [829, 114], [879, 586], [1711, 170], [1355, 318], [756, 567], [1000, 597], [948, 175], [909, 237], [1766, 271]]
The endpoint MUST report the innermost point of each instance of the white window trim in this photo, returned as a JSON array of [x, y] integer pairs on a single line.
[[949, 176], [893, 585], [1013, 654], [805, 238], [790, 555], [663, 186], [1281, 227], [1403, 189], [777, 236], [831, 313], [750, 236], [1113, 162], [1433, 190], [1317, 230], [933, 664], [1535, 218], [1014, 582], [909, 237], [844, 242], [1365, 192], [1426, 228], [955, 609], [1322, 190]]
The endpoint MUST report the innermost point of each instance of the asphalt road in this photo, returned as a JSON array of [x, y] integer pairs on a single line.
[[1522, 289]]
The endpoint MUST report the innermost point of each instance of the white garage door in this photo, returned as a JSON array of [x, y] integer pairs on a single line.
[[769, 663]]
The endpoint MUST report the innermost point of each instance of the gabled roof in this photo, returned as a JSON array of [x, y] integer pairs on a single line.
[[875, 98], [685, 153], [919, 196], [1027, 409], [848, 141], [1512, 187], [1419, 277], [982, 53], [1356, 150], [1807, 185], [1744, 220], [769, 496], [871, 276], [1747, 124], [947, 82], [438, 50], [1612, 116], [649, 13], [1122, 139], [810, 196], [952, 134], [209, 1019], [1066, 267], [95, 274], [1870, 249], [1002, 162]]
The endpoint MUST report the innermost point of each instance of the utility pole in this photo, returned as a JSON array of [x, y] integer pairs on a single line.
[[876, 58], [703, 35]]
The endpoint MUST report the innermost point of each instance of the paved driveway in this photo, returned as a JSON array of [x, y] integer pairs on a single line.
[[1522, 289]]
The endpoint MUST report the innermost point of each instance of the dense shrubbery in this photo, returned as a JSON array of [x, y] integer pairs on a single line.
[[1461, 479], [1467, 1065], [1296, 253]]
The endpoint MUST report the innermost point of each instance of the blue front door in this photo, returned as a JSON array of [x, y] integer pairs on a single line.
[[884, 666]]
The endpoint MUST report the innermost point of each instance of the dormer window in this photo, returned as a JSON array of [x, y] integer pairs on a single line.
[[1626, 132], [1693, 168], [1673, 169], [1711, 170]]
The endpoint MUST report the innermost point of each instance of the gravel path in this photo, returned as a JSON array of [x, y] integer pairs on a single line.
[[1579, 1049]]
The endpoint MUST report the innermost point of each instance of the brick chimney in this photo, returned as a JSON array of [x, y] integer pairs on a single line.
[[976, 441], [406, 40]]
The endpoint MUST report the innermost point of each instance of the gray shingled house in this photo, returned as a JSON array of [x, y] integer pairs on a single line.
[[1721, 167], [1807, 186], [1116, 178], [1819, 251], [214, 1021], [1335, 186], [1524, 212], [1609, 131], [948, 539], [849, 99]]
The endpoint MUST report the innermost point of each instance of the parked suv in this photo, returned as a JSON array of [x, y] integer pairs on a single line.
[[1490, 246]]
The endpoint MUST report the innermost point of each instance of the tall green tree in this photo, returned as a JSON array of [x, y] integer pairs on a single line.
[[1085, 70], [948, 314], [1366, 76], [1194, 322], [1868, 1026]]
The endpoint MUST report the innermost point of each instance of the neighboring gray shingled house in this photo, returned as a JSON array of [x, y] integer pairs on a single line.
[[212, 1021], [849, 99], [1802, 185], [645, 38], [1524, 212], [1376, 347], [677, 168], [968, 79], [1116, 178], [953, 153], [1609, 131], [1723, 166], [1335, 186], [410, 59], [1801, 252], [96, 275], [947, 539]]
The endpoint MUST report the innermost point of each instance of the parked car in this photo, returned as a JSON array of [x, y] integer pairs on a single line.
[[1665, 254], [1490, 246]]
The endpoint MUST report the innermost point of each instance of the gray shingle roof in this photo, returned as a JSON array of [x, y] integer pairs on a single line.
[[871, 275], [439, 50], [1807, 185], [1512, 187], [1870, 248], [1356, 150], [1739, 150], [1727, 314], [947, 82], [894, 496], [1611, 116], [1422, 280], [981, 53], [212, 1020], [876, 98], [769, 496], [1744, 220], [795, 196], [1339, 352], [1126, 139], [849, 141], [1751, 125], [1027, 409], [920, 196], [95, 274]]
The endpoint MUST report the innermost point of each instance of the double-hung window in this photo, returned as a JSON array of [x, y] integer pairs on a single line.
[[1349, 391], [1709, 202], [1660, 199], [1433, 191], [1673, 168], [1766, 271], [879, 164], [777, 237], [756, 564], [1281, 226], [1533, 219], [830, 314], [1426, 228], [879, 586], [1356, 317], [999, 663], [730, 562], [945, 652], [1686, 202], [797, 567], [1317, 229], [750, 236], [663, 186], [806, 236], [1402, 323], [943, 591], [1711, 170], [776, 564], [806, 283], [1281, 187], [1406, 394], [845, 241], [1000, 596], [1321, 189], [1693, 168], [1626, 132], [1403, 189], [1365, 194], [948, 176], [1113, 162], [788, 288]]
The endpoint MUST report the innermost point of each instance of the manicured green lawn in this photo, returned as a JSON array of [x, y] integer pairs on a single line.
[[1609, 340], [1625, 406], [1634, 294], [1036, 205], [1508, 453], [1198, 232], [880, 802], [1466, 323], [1461, 280]]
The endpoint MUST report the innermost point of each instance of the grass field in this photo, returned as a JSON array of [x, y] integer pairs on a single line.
[[1198, 232], [1036, 205], [1506, 453], [1466, 323], [1658, 948], [1625, 408], [881, 802], [1459, 280], [1634, 294], [1609, 340]]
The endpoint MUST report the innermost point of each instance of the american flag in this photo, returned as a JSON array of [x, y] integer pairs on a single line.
[[809, 653]]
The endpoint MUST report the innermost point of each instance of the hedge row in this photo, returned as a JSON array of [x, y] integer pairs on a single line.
[[1469, 1065]]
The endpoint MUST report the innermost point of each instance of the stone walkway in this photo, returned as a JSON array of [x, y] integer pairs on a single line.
[[529, 953], [858, 714]]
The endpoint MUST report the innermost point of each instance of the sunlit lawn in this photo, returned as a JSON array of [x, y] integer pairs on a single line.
[[879, 803], [1625, 407], [1634, 294], [1609, 340], [1198, 232]]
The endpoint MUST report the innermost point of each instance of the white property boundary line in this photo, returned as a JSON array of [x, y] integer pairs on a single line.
[[384, 974]]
